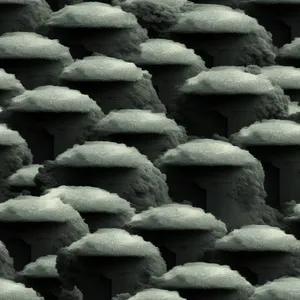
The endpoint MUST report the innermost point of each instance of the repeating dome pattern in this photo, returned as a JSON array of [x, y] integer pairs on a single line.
[[149, 150]]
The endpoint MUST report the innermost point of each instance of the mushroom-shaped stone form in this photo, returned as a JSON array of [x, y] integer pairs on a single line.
[[112, 83], [204, 280], [22, 181], [23, 15], [14, 152], [151, 133], [287, 77], [220, 178], [182, 232], [10, 87], [6, 264], [153, 294], [39, 226], [260, 253], [276, 144], [223, 36], [110, 166], [279, 17], [96, 27], [34, 59], [154, 15], [282, 288], [52, 119], [109, 262], [10, 290], [98, 208], [288, 54], [170, 64], [42, 276], [224, 100]]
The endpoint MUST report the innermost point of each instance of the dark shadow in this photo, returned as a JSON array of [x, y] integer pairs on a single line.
[[79, 52], [176, 246], [150, 144], [44, 148], [208, 59], [198, 39], [180, 191], [205, 43], [294, 229], [248, 275], [91, 284], [41, 144], [168, 256], [89, 37], [36, 128], [156, 87], [8, 11], [106, 94], [13, 234], [106, 275], [5, 96], [19, 250], [206, 115], [267, 16], [281, 32], [279, 189], [220, 2], [214, 123], [294, 94], [97, 220], [121, 180], [54, 5], [212, 294], [191, 182], [110, 179], [242, 261], [294, 62], [33, 72], [272, 184], [28, 190], [49, 288]]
